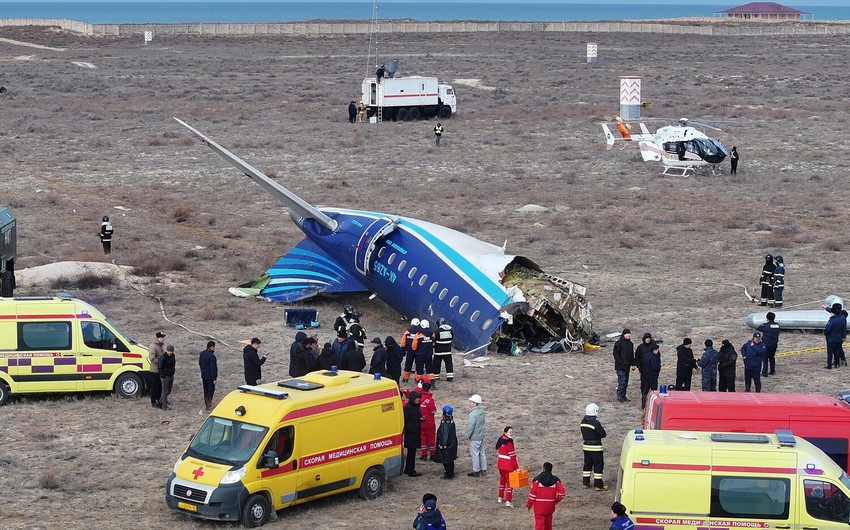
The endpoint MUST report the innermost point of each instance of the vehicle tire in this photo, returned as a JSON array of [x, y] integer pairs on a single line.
[[414, 114], [255, 511], [445, 113], [5, 394], [374, 484], [401, 115], [129, 385]]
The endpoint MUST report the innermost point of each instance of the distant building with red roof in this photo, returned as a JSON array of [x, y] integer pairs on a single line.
[[765, 11]]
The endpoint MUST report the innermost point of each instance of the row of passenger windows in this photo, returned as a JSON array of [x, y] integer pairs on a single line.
[[433, 289]]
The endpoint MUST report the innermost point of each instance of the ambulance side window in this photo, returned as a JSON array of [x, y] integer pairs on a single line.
[[282, 442], [825, 501], [750, 497], [40, 336], [99, 337]]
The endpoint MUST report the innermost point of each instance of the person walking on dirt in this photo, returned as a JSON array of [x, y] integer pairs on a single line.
[[770, 337], [106, 231], [624, 360], [733, 160], [766, 281], [438, 133], [352, 112], [592, 434]]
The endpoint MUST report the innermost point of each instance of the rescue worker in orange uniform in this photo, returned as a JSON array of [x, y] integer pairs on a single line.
[[423, 348]]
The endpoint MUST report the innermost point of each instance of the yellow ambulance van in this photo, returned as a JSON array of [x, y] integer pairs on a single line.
[[62, 344], [276, 445], [677, 479]]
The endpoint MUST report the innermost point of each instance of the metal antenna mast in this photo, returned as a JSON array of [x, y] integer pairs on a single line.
[[373, 39]]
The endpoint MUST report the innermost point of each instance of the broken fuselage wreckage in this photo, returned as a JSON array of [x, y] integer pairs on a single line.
[[423, 270]]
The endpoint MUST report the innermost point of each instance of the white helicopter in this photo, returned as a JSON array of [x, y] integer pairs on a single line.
[[680, 148]]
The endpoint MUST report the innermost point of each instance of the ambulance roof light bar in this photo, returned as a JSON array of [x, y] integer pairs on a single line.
[[270, 392], [786, 438]]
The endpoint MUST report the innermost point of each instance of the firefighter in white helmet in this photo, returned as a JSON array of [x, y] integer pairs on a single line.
[[592, 434]]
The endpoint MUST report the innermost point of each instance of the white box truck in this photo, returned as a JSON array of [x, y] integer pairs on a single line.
[[408, 98]]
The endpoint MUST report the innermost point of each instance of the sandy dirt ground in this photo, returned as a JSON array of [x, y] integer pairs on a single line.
[[86, 130]]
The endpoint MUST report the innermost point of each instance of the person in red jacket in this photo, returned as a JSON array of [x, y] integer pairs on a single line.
[[428, 433], [546, 492], [507, 462]]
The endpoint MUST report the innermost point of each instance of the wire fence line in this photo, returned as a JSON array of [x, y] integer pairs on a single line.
[[692, 26]]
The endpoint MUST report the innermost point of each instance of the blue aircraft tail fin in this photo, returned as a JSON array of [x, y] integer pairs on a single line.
[[306, 271]]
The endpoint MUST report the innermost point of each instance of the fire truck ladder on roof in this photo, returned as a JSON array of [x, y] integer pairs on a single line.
[[380, 101]]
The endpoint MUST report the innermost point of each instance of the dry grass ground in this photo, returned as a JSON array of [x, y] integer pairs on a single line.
[[657, 253]]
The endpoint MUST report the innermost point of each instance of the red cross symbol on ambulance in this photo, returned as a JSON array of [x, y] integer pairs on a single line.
[[198, 472]]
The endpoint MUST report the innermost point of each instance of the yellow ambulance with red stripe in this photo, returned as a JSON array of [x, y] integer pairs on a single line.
[[276, 445], [718, 481], [62, 344]]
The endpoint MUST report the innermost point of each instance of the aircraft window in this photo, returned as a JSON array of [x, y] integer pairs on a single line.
[[475, 316], [381, 252], [402, 265], [443, 293], [433, 288], [453, 301], [391, 259], [423, 279], [487, 323], [412, 273], [463, 307]]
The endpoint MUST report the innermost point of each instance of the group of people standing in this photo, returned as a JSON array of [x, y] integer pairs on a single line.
[[718, 368], [772, 281], [163, 366]]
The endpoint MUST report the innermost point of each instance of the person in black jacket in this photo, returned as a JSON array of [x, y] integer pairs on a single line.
[[356, 332], [412, 430], [650, 369], [645, 346], [395, 356], [770, 337], [167, 365], [766, 281], [209, 372], [305, 357], [685, 365], [624, 360], [353, 359], [253, 362], [726, 367], [447, 442], [378, 363], [352, 112], [294, 346], [344, 320], [327, 358]]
